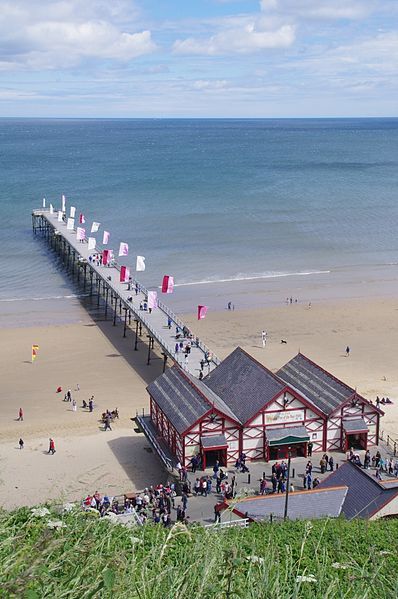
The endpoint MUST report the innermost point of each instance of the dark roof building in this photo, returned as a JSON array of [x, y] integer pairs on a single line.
[[366, 496], [316, 384], [306, 505], [244, 384]]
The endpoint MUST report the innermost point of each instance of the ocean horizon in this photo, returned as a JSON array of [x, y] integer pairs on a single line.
[[213, 202]]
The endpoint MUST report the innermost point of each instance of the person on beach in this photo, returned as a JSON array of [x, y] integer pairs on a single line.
[[264, 338], [69, 395], [91, 403], [21, 444], [107, 424], [20, 414], [74, 406], [347, 351], [51, 448]]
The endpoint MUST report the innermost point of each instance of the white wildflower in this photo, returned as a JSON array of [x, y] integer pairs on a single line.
[[112, 517], [308, 526], [135, 540], [308, 578], [255, 559], [68, 507], [55, 524], [338, 566], [385, 552], [40, 512]]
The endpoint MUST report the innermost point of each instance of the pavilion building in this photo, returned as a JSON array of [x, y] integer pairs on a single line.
[[243, 407]]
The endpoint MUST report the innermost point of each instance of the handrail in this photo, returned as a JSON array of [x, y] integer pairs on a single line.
[[167, 462]]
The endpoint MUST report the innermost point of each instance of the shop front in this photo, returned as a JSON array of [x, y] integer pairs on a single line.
[[281, 441], [214, 449], [355, 434]]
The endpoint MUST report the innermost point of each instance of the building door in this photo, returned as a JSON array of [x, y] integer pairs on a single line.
[[281, 452], [211, 456], [356, 441]]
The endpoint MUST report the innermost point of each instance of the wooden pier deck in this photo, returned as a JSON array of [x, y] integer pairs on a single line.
[[122, 303]]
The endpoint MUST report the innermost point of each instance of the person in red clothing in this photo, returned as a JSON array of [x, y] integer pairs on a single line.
[[51, 448], [20, 414]]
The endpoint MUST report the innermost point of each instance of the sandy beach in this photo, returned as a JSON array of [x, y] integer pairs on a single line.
[[94, 354]]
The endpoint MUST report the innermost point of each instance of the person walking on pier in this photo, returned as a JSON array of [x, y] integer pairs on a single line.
[[20, 414]]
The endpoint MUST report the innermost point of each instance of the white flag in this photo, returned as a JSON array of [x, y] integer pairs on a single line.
[[70, 224], [105, 238], [44, 202], [63, 203], [72, 212], [140, 263], [51, 209], [94, 227], [123, 249], [91, 243], [60, 213]]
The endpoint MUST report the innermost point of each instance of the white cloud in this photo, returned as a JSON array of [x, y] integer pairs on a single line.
[[321, 9], [210, 85], [50, 35], [243, 38]]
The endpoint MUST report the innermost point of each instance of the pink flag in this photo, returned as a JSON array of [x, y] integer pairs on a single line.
[[202, 311], [152, 299], [80, 234], [106, 257], [123, 249], [124, 273], [167, 284], [82, 220], [105, 238]]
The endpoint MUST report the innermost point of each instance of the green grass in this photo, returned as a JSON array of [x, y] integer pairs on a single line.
[[94, 558]]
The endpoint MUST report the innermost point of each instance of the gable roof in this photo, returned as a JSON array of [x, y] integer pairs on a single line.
[[316, 384], [178, 399], [243, 384], [317, 503], [365, 496], [214, 400]]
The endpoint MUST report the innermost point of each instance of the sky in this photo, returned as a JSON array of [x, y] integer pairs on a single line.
[[198, 58]]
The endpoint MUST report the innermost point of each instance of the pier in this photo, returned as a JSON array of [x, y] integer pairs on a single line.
[[122, 301]]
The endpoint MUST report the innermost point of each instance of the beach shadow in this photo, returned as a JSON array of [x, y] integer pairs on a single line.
[[142, 471], [113, 355], [27, 362]]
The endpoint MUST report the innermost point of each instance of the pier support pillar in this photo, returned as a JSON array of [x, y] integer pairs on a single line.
[[85, 277], [136, 336], [125, 321], [115, 312], [91, 282], [106, 301], [129, 317], [140, 329], [99, 289], [149, 349]]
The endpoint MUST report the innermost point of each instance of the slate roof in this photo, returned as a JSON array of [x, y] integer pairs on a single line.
[[277, 434], [212, 397], [355, 425], [214, 441], [302, 504], [243, 384], [321, 388], [365, 495], [178, 399]]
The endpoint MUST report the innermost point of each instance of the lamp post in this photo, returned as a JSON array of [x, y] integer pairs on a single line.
[[289, 455]]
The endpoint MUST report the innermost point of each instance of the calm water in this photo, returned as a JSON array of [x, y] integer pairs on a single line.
[[204, 200]]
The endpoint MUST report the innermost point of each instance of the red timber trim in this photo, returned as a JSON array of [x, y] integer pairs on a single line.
[[325, 435], [377, 429], [296, 395], [361, 399]]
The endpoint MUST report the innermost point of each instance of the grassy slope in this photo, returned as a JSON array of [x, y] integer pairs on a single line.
[[92, 558]]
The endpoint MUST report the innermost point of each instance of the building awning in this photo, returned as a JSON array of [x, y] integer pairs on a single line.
[[214, 442], [287, 436], [357, 425]]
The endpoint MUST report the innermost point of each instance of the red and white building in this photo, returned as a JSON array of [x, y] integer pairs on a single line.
[[242, 406]]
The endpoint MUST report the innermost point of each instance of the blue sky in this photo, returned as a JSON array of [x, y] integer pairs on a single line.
[[198, 58]]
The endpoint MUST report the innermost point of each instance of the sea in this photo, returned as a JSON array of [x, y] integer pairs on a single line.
[[234, 209]]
